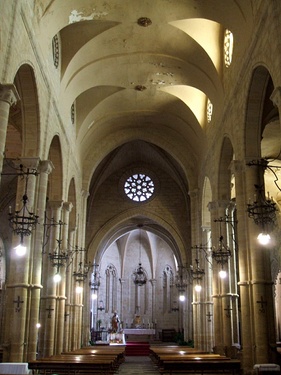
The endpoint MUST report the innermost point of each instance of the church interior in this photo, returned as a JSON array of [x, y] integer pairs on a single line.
[[140, 157]]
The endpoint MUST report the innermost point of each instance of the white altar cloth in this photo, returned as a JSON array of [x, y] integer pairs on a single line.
[[139, 331], [14, 368]]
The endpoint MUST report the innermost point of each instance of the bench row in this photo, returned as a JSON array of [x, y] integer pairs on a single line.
[[175, 360]]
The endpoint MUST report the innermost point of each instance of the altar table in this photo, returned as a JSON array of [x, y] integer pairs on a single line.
[[139, 334], [14, 368]]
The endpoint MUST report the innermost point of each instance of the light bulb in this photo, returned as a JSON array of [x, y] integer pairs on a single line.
[[264, 238], [79, 289], [57, 278], [20, 250], [38, 325], [222, 274], [94, 296], [182, 298], [198, 288]]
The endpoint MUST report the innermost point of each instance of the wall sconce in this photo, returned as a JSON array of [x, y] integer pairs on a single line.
[[101, 306]]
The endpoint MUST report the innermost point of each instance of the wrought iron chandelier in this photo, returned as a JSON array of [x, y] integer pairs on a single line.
[[181, 279], [222, 254], [23, 221], [263, 209], [58, 257], [139, 275], [95, 281], [197, 274]]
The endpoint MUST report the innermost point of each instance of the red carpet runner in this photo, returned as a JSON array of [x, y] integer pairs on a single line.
[[137, 348]]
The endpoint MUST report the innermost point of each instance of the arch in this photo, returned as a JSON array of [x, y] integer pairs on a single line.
[[27, 119], [125, 222], [224, 183], [72, 199], [206, 199], [55, 188], [254, 112]]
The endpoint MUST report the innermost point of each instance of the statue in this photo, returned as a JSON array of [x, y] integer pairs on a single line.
[[115, 322]]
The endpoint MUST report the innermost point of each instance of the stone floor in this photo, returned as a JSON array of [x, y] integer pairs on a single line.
[[137, 365]]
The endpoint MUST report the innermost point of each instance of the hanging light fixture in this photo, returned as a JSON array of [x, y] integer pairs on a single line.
[[95, 281], [263, 209], [197, 274], [139, 275], [58, 257], [23, 221], [222, 254], [181, 281]]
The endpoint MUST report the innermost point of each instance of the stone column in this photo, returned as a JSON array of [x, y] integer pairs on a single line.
[[123, 306], [45, 168], [18, 282], [194, 319], [260, 281], [221, 295], [68, 317], [8, 97], [61, 296], [48, 300]]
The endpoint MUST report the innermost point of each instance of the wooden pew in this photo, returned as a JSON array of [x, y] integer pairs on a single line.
[[83, 361], [171, 360]]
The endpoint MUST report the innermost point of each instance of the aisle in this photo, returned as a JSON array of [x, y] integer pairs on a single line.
[[137, 365]]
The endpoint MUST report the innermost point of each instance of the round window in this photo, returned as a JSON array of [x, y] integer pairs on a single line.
[[139, 187]]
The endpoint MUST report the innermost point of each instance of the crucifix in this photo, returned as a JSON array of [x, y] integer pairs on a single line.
[[49, 309], [18, 301], [209, 316], [228, 309], [262, 303]]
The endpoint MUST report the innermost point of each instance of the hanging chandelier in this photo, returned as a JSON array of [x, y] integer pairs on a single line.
[[139, 275], [95, 282], [58, 257], [263, 209], [181, 280], [23, 221], [197, 274], [222, 254]]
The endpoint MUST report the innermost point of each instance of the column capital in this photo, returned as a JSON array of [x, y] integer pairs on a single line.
[[55, 205], [67, 206], [218, 204], [46, 166], [31, 163], [85, 193], [275, 97], [9, 94]]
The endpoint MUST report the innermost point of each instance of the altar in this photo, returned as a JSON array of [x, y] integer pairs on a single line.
[[139, 334]]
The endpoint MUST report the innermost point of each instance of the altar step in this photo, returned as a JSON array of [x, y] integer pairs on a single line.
[[137, 348]]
